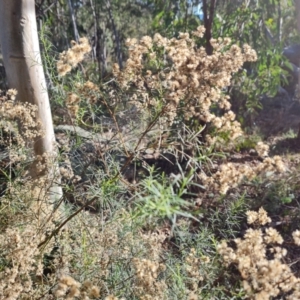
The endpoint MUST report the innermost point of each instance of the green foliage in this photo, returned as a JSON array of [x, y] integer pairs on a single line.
[[163, 198], [260, 24], [171, 17], [226, 222], [246, 143], [281, 192]]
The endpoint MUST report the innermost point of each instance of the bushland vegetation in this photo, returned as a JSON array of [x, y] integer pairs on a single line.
[[178, 158]]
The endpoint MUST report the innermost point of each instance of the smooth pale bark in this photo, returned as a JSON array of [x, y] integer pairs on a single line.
[[24, 70]]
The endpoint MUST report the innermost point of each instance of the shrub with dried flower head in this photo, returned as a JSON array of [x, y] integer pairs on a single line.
[[23, 113], [193, 269], [230, 175], [68, 288], [173, 82], [26, 220], [259, 259], [26, 215], [87, 91], [177, 81], [180, 79], [146, 285], [72, 57]]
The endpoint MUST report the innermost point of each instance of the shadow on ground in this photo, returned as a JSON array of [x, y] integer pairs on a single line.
[[278, 122]]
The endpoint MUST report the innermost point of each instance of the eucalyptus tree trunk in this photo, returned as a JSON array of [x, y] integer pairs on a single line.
[[24, 71]]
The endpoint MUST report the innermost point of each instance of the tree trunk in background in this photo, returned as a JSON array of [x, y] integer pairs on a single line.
[[72, 15], [208, 16], [297, 6], [24, 71], [116, 36]]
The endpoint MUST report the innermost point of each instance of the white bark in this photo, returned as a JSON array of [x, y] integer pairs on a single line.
[[24, 70]]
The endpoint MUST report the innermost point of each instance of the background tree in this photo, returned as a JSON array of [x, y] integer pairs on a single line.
[[268, 26]]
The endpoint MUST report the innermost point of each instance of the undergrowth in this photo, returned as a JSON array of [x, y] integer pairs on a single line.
[[151, 184]]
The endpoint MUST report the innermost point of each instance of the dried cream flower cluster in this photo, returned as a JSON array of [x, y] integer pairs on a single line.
[[259, 260], [19, 243], [146, 286], [68, 288], [112, 297], [230, 175], [20, 251], [24, 113], [262, 149], [193, 265], [72, 102], [88, 91], [296, 237], [72, 57], [259, 218], [153, 243], [181, 77]]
